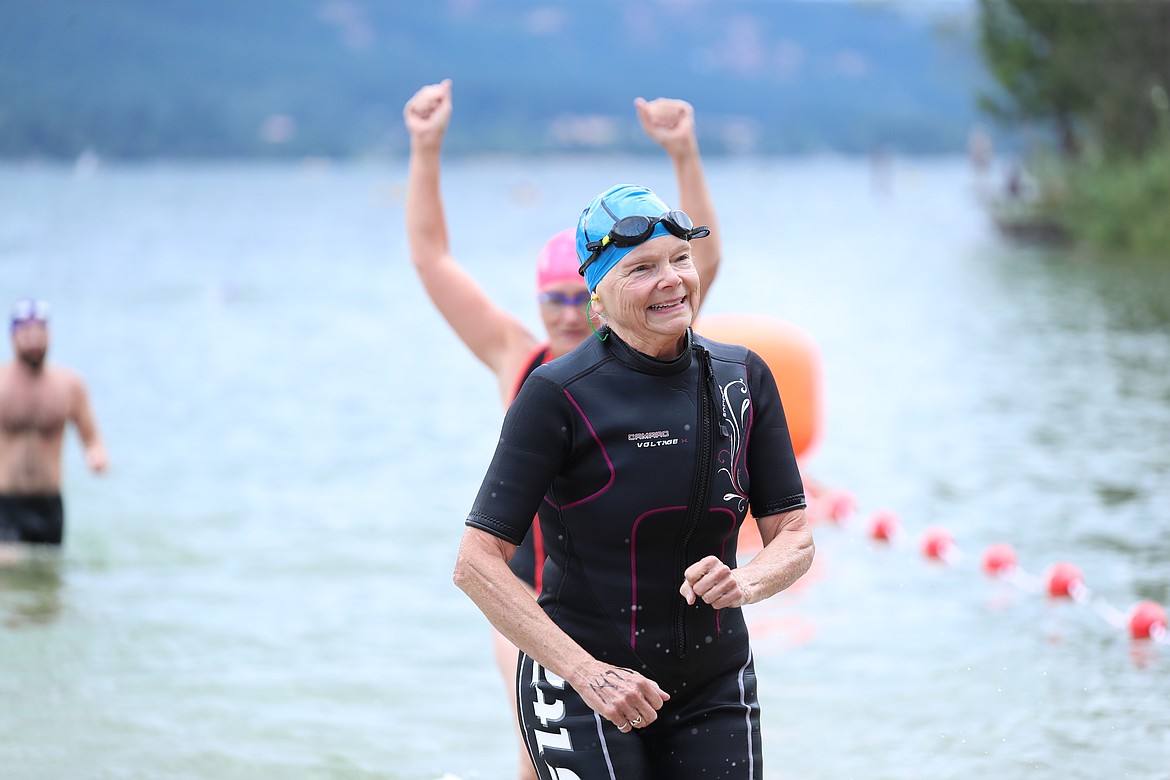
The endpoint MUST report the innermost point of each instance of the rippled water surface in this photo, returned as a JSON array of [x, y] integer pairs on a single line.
[[261, 588]]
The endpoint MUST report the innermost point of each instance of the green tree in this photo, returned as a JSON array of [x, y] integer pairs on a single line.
[[1093, 70], [1097, 72]]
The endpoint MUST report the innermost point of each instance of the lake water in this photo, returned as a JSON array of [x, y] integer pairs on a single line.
[[260, 587]]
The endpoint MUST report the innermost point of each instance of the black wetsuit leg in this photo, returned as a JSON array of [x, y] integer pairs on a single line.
[[37, 519], [715, 732]]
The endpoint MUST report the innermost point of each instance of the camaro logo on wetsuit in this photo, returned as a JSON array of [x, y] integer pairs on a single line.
[[652, 439]]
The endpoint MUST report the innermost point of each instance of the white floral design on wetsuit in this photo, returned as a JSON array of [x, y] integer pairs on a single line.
[[729, 459]]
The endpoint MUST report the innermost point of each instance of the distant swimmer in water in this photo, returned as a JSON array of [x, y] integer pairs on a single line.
[[37, 400], [499, 338]]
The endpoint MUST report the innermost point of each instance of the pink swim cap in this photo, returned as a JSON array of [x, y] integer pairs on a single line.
[[558, 260]]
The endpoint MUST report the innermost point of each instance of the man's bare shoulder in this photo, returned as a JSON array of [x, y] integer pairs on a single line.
[[64, 376], [53, 375]]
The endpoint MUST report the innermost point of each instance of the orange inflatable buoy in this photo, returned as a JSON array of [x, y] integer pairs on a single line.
[[795, 361]]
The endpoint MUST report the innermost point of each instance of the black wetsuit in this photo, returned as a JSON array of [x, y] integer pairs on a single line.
[[38, 519], [639, 468]]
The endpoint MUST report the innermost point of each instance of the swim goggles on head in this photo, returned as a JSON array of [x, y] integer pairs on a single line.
[[29, 310], [633, 230], [559, 299]]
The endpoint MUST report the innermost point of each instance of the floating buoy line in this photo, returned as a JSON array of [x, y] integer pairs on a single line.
[[1144, 621]]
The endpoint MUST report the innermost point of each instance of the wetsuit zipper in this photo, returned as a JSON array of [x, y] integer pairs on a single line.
[[700, 494]]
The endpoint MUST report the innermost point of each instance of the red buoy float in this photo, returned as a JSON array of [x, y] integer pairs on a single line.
[[937, 543], [1064, 580], [883, 525], [840, 506], [1147, 620], [999, 559]]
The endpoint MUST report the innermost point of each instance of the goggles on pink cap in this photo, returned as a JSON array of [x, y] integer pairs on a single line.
[[558, 300]]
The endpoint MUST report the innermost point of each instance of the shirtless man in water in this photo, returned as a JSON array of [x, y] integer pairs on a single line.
[[36, 402]]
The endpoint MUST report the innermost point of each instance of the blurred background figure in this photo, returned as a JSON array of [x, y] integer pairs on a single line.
[[36, 402], [499, 338]]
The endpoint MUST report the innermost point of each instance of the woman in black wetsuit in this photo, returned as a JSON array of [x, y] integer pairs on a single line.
[[642, 449]]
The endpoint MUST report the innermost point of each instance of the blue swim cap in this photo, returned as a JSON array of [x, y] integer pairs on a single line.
[[618, 202]]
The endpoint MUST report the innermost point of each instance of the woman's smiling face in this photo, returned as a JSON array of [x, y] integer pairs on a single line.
[[651, 296]]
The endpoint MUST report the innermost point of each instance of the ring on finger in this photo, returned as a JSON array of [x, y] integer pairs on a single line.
[[635, 721]]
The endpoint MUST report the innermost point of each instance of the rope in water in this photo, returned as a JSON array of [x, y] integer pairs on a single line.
[[1144, 621]]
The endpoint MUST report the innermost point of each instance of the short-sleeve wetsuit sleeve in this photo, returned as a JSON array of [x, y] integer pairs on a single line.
[[533, 442], [776, 485]]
